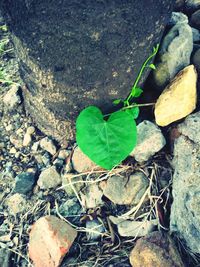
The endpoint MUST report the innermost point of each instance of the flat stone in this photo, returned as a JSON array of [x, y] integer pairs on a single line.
[[81, 163], [150, 141], [49, 178], [125, 190], [12, 98], [133, 228], [50, 240], [174, 54], [24, 182], [155, 250], [48, 145], [178, 99], [185, 210]]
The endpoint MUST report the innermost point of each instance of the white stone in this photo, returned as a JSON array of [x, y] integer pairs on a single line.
[[11, 99], [49, 178], [133, 228], [150, 141], [30, 130], [48, 145], [27, 139]]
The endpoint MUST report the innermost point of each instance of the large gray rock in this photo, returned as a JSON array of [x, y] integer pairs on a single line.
[[175, 52], [185, 211], [78, 53]]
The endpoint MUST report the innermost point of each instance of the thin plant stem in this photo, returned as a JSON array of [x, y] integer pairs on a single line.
[[131, 106], [140, 73]]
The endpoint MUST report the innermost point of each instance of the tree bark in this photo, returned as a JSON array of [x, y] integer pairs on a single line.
[[75, 53]]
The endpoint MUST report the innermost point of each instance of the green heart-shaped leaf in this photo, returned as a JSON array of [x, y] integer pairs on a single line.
[[109, 142], [134, 112]]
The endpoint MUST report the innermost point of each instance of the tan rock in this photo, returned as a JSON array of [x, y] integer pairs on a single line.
[[155, 250], [81, 163], [50, 240], [125, 190], [178, 99]]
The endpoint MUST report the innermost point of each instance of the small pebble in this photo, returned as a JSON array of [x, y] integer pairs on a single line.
[[48, 145], [9, 127], [13, 150], [27, 139], [30, 130]]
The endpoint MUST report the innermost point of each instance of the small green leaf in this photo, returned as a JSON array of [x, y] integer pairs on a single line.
[[136, 92], [109, 142], [152, 66], [117, 101], [134, 112]]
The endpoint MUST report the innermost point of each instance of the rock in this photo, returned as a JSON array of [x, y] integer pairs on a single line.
[[70, 208], [27, 139], [5, 255], [81, 163], [49, 178], [12, 98], [185, 211], [178, 17], [150, 141], [196, 35], [196, 60], [155, 250], [16, 141], [50, 240], [46, 159], [115, 40], [174, 54], [64, 154], [92, 196], [35, 146], [125, 190], [30, 130], [13, 150], [16, 203], [133, 228], [24, 182], [179, 4], [58, 163], [48, 145], [9, 127], [76, 182], [178, 99], [94, 230], [192, 4], [195, 19]]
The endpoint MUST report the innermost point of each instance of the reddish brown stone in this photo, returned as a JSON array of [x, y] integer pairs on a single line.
[[50, 240]]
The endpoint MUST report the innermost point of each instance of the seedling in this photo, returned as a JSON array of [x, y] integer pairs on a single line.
[[109, 139]]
